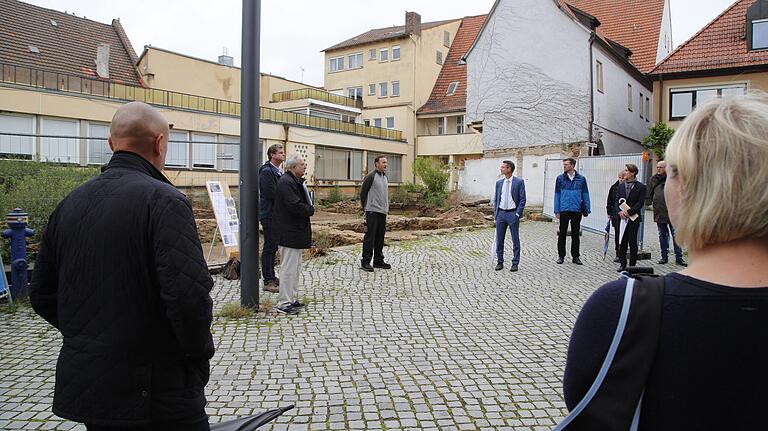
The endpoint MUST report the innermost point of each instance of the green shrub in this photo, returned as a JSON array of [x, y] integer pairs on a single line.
[[334, 195], [36, 188], [658, 139], [435, 176]]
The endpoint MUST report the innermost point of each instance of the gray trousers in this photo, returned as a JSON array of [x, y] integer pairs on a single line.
[[290, 270]]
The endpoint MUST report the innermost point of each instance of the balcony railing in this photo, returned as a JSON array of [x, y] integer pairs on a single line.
[[36, 78], [314, 93], [278, 116]]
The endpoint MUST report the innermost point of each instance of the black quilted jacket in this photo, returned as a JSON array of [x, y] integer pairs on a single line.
[[121, 275], [291, 213]]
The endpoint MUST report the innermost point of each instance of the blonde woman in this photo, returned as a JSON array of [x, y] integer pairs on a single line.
[[710, 368]]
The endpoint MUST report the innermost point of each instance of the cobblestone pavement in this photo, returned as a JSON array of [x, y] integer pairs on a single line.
[[441, 341]]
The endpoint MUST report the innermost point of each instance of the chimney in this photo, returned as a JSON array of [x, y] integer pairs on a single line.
[[226, 59], [102, 60], [412, 23]]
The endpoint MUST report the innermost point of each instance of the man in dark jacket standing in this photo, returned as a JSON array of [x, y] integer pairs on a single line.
[[293, 231], [374, 197], [571, 203], [661, 215], [613, 211], [632, 192], [121, 275], [269, 173]]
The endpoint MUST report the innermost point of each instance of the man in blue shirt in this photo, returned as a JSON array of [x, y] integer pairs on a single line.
[[571, 203], [508, 206]]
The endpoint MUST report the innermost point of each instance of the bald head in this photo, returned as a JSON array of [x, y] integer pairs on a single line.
[[139, 128]]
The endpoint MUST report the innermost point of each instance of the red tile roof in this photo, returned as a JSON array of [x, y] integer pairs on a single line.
[[380, 34], [67, 47], [633, 23], [454, 71], [720, 44]]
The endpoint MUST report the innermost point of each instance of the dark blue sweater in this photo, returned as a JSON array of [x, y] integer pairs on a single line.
[[711, 367]]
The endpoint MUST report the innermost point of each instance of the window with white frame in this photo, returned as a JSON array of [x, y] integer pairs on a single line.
[[64, 149], [459, 124], [338, 164], [99, 152], [371, 89], [647, 109], [13, 146], [629, 97], [441, 126], [599, 77], [390, 122], [452, 87], [229, 152], [760, 34], [178, 150], [377, 122], [203, 151], [684, 101], [367, 123], [395, 88], [396, 52], [439, 57], [383, 89], [446, 38], [355, 93], [640, 107], [384, 54], [336, 64], [394, 165], [372, 54], [356, 60]]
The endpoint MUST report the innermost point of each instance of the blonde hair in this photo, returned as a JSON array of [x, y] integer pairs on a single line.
[[720, 153]]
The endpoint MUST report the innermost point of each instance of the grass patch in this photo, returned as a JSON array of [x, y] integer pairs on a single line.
[[233, 310]]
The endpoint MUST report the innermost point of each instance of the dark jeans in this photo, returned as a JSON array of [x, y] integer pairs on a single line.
[[629, 240], [574, 218], [373, 242], [504, 220], [664, 230], [201, 425], [268, 252]]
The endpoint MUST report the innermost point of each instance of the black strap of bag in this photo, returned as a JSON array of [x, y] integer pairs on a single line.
[[613, 402]]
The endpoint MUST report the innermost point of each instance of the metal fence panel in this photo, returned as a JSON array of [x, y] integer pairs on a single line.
[[601, 173]]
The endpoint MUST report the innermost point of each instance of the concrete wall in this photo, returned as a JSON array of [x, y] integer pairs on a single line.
[[620, 129], [528, 84], [443, 145]]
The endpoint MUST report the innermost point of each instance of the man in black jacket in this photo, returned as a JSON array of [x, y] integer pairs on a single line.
[[661, 215], [613, 211], [269, 173], [633, 192], [292, 231], [121, 275]]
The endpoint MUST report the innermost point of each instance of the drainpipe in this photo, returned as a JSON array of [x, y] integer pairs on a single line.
[[661, 97], [591, 88], [413, 107]]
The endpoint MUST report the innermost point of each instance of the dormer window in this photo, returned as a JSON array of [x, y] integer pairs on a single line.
[[452, 88], [760, 34], [757, 25]]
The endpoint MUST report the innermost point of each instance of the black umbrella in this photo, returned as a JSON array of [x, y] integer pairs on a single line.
[[250, 423]]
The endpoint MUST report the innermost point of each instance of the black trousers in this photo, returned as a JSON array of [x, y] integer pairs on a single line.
[[201, 425], [268, 252], [574, 218], [616, 222], [629, 240], [373, 242]]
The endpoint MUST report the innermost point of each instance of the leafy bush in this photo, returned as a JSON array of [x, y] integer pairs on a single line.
[[658, 139], [435, 176], [334, 195], [36, 188], [401, 194]]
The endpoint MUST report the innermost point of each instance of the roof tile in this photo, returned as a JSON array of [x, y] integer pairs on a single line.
[[380, 34]]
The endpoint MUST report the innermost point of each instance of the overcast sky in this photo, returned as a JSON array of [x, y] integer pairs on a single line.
[[295, 31]]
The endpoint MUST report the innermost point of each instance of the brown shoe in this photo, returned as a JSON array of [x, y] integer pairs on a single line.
[[271, 286]]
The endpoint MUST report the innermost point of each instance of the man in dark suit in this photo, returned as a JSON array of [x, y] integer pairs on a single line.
[[508, 206], [633, 193], [269, 173]]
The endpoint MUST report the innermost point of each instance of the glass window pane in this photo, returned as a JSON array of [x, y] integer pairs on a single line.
[[16, 147], [62, 150], [682, 104], [203, 151], [733, 91], [355, 165], [177, 150], [99, 152], [229, 152], [760, 34], [704, 96]]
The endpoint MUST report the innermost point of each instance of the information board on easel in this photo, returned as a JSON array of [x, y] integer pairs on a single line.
[[224, 210]]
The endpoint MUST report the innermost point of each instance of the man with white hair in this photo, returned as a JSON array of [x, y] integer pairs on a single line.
[[661, 215], [292, 230]]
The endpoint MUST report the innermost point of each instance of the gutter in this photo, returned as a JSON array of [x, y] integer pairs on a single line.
[[591, 89]]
